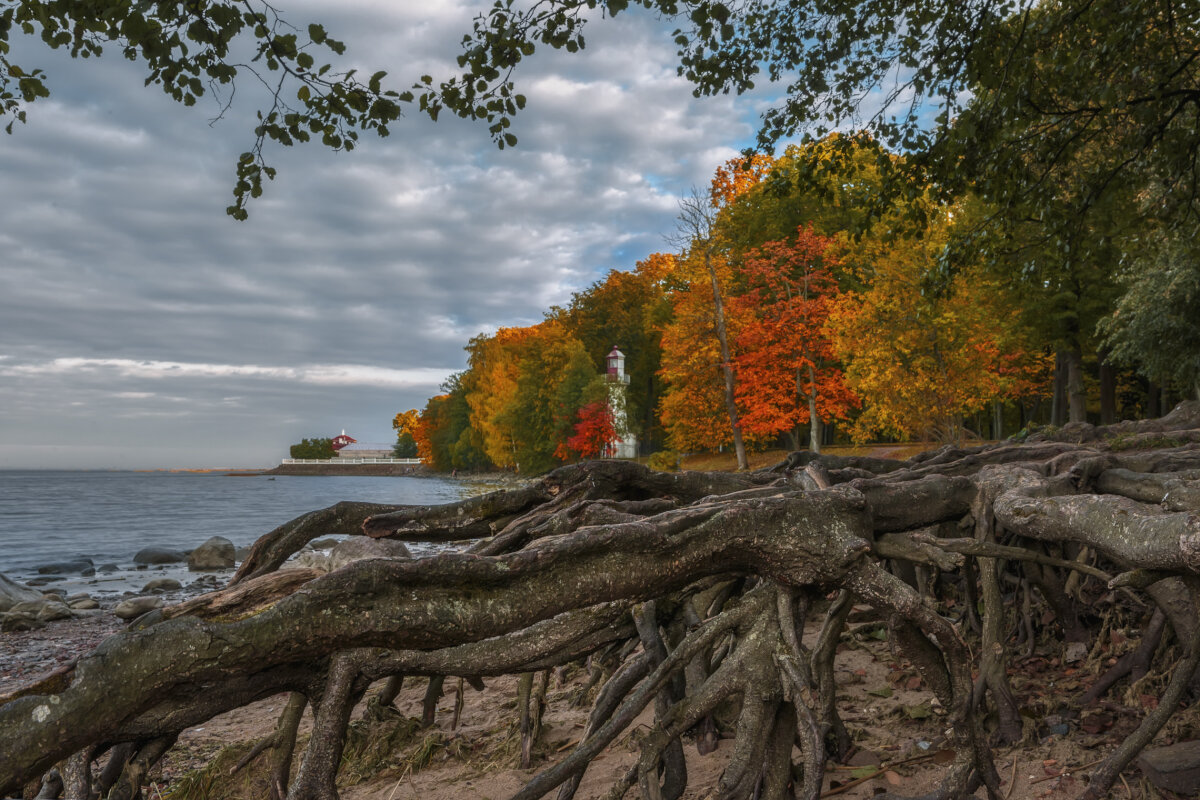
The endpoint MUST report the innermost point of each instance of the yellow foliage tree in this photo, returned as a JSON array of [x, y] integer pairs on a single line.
[[924, 360]]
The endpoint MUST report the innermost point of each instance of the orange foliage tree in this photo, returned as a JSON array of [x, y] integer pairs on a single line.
[[692, 408], [787, 372], [737, 176], [431, 419]]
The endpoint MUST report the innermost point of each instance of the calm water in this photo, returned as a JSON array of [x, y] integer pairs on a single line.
[[48, 516]]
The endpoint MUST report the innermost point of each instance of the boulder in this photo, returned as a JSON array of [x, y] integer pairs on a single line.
[[217, 553], [1175, 767], [159, 555], [324, 544], [357, 548], [12, 593], [84, 604], [14, 621], [44, 609], [162, 585], [74, 566], [134, 607], [42, 580], [308, 559]]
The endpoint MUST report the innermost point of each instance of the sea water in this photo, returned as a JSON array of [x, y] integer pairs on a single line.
[[49, 516]]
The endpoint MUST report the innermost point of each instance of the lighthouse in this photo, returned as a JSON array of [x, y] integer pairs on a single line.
[[626, 444]]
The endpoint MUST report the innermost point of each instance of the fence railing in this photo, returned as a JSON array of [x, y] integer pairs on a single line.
[[351, 461]]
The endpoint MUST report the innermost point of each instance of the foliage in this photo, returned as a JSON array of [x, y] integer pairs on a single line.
[[625, 309], [405, 424], [190, 48], [665, 460], [924, 360], [787, 372], [405, 447], [406, 421], [692, 408], [313, 448], [1156, 324], [444, 436], [554, 372], [593, 433]]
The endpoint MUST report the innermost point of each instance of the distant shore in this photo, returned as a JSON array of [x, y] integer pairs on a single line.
[[382, 470]]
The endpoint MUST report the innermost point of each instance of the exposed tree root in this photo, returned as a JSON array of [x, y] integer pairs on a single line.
[[689, 591]]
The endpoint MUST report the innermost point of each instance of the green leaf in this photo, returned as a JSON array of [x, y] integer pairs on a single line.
[[922, 711]]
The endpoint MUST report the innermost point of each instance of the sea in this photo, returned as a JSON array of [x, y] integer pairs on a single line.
[[53, 516]]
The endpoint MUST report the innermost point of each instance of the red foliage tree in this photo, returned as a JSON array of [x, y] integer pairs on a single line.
[[594, 432]]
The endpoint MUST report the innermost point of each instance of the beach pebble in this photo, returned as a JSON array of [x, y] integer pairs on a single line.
[[159, 555], [136, 606], [216, 553], [162, 585]]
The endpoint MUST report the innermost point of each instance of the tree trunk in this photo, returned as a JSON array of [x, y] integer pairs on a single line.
[[1108, 391], [1058, 397], [814, 425], [726, 364], [1076, 392]]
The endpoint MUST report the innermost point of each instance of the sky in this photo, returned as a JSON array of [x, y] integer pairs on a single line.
[[140, 327]]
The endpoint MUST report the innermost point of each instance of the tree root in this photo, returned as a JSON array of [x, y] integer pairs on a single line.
[[720, 568]]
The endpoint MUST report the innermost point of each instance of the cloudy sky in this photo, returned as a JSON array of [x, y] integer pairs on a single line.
[[141, 327]]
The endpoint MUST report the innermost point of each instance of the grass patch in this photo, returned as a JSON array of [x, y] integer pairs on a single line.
[[214, 781]]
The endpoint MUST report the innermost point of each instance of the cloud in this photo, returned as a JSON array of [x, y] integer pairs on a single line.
[[352, 289], [318, 374]]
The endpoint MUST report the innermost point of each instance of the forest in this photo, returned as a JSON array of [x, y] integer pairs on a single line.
[[833, 326]]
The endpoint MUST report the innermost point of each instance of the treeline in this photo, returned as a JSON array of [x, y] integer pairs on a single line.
[[800, 308]]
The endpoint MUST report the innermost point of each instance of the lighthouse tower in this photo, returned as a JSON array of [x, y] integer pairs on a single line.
[[626, 444]]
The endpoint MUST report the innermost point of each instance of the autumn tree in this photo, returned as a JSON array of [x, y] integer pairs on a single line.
[[627, 308], [923, 360], [490, 385], [694, 408], [554, 375], [787, 370], [594, 431], [444, 436], [696, 237], [405, 424]]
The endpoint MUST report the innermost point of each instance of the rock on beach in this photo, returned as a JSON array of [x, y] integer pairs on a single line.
[[216, 553], [159, 555]]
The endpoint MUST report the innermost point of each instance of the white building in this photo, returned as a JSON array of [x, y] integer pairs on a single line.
[[626, 444]]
